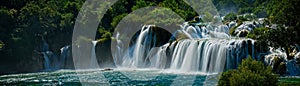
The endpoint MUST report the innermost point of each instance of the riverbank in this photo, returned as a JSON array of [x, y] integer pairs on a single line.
[[289, 81]]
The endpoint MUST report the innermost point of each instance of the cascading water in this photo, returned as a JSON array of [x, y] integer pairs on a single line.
[[93, 58], [201, 50], [51, 60], [139, 57], [64, 54], [47, 61], [207, 55], [49, 57], [44, 50]]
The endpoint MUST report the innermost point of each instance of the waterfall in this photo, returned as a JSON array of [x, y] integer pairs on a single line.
[[45, 45], [51, 60], [48, 56], [201, 50], [140, 57], [47, 61], [209, 55], [64, 54], [209, 31], [93, 59]]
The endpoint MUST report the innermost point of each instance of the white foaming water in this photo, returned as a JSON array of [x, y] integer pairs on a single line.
[[204, 51], [209, 55], [209, 31], [145, 40]]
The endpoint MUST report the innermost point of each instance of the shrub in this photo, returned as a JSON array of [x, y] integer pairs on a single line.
[[257, 33], [230, 17], [249, 73], [250, 17], [241, 19]]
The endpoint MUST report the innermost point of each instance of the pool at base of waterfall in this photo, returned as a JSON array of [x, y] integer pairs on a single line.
[[110, 77]]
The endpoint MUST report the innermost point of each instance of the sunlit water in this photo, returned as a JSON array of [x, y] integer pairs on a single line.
[[112, 77]]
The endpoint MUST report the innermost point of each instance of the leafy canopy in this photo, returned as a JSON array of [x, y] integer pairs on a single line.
[[249, 73]]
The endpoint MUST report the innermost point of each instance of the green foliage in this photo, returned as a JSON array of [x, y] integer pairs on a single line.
[[142, 3], [258, 33], [179, 7], [250, 17], [249, 73], [105, 35], [284, 12], [241, 19], [117, 19], [241, 6], [260, 12], [230, 17], [23, 22], [289, 82], [287, 22]]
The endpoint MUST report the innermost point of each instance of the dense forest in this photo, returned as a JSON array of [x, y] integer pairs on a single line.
[[25, 22]]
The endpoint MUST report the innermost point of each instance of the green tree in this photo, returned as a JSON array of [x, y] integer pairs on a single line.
[[7, 27], [230, 17], [249, 73], [286, 34]]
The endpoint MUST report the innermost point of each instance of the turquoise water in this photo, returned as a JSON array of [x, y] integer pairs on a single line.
[[101, 77]]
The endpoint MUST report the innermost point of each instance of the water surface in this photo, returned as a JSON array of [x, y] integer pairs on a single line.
[[101, 77]]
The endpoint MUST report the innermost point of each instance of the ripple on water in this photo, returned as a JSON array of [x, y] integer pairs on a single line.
[[114, 77]]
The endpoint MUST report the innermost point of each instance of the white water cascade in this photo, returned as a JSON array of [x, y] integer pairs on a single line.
[[51, 60], [143, 45], [202, 50], [93, 59], [64, 55], [209, 55]]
